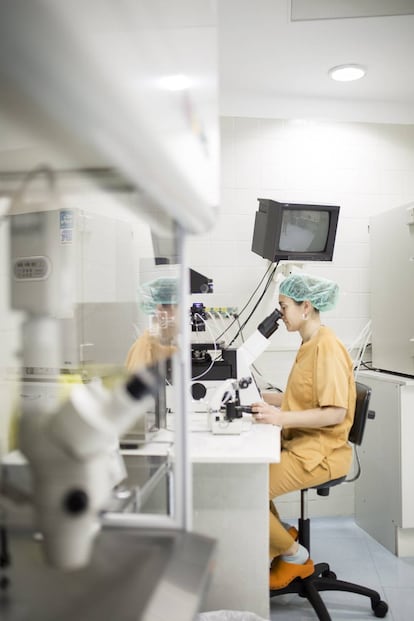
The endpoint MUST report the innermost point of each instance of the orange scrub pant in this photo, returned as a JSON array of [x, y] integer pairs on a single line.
[[287, 476]]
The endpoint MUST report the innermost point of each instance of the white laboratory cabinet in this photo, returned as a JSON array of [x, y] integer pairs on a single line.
[[384, 493], [392, 289]]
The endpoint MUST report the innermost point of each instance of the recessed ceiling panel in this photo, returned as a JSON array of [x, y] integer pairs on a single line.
[[302, 10]]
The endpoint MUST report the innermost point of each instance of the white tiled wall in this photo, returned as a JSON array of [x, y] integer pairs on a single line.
[[365, 168]]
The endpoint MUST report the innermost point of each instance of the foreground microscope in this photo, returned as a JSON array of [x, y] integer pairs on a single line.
[[75, 463]]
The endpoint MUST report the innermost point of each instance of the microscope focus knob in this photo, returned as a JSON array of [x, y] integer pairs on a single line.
[[198, 391], [245, 382], [76, 501]]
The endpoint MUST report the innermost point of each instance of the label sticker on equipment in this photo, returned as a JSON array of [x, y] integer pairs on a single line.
[[66, 224], [31, 268]]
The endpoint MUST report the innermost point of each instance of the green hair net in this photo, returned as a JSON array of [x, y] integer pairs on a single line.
[[321, 293], [158, 291]]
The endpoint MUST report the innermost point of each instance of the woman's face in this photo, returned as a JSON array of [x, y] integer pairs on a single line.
[[292, 313], [166, 315]]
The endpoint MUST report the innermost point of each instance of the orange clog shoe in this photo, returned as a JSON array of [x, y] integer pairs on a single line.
[[282, 573]]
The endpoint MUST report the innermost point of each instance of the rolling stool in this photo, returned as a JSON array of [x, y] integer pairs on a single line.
[[323, 578]]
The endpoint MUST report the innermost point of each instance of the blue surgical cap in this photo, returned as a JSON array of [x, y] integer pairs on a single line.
[[156, 292], [321, 293]]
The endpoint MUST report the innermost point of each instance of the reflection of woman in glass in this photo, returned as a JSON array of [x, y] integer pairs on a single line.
[[159, 301], [315, 413]]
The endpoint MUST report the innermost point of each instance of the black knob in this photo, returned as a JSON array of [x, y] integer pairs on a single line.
[[198, 391], [76, 501], [245, 382], [247, 409]]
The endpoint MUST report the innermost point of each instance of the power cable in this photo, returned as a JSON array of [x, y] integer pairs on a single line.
[[237, 315], [269, 280]]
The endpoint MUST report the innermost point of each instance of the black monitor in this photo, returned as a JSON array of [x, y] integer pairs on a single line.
[[294, 231]]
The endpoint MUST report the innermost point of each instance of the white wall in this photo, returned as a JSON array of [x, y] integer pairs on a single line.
[[365, 168]]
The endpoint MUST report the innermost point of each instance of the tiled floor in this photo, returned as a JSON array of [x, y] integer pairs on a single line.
[[356, 557]]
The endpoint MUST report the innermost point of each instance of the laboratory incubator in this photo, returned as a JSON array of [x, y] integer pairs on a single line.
[[78, 267]]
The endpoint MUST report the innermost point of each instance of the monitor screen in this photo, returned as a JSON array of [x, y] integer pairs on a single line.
[[290, 231], [304, 231]]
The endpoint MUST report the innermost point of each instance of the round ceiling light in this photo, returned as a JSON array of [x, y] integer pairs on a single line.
[[177, 82], [347, 73]]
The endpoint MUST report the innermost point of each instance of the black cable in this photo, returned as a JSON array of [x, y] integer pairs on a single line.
[[236, 316], [240, 331], [254, 308], [269, 280]]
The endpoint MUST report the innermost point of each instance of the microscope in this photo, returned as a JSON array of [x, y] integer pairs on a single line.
[[75, 464], [225, 408]]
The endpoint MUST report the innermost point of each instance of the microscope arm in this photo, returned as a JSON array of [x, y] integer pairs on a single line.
[[224, 392], [245, 355], [252, 348], [259, 340]]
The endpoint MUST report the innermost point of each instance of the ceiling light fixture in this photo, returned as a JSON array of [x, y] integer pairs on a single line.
[[347, 73], [177, 82]]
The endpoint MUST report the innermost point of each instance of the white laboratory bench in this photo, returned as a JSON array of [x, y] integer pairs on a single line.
[[256, 444], [230, 500]]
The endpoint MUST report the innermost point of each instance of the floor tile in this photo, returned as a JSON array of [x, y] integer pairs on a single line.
[[400, 602], [354, 556]]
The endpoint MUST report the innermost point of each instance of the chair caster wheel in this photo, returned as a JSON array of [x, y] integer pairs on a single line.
[[329, 574], [380, 609]]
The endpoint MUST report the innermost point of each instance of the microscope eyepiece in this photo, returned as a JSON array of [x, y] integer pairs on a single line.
[[270, 324]]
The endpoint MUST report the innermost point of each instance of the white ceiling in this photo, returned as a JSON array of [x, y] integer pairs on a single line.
[[273, 66], [269, 66]]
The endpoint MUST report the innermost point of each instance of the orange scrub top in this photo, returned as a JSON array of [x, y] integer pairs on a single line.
[[146, 351], [322, 375]]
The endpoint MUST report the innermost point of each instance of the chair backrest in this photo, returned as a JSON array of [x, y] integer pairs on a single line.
[[356, 434], [362, 412]]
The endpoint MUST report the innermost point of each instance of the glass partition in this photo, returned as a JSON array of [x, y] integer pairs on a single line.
[[99, 327], [103, 172]]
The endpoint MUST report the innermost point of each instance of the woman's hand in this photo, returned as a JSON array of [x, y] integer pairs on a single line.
[[268, 414]]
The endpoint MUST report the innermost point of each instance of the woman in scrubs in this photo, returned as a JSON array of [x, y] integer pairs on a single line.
[[315, 414], [159, 299]]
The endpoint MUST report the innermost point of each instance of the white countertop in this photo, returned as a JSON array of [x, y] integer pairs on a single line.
[[257, 443], [393, 378]]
